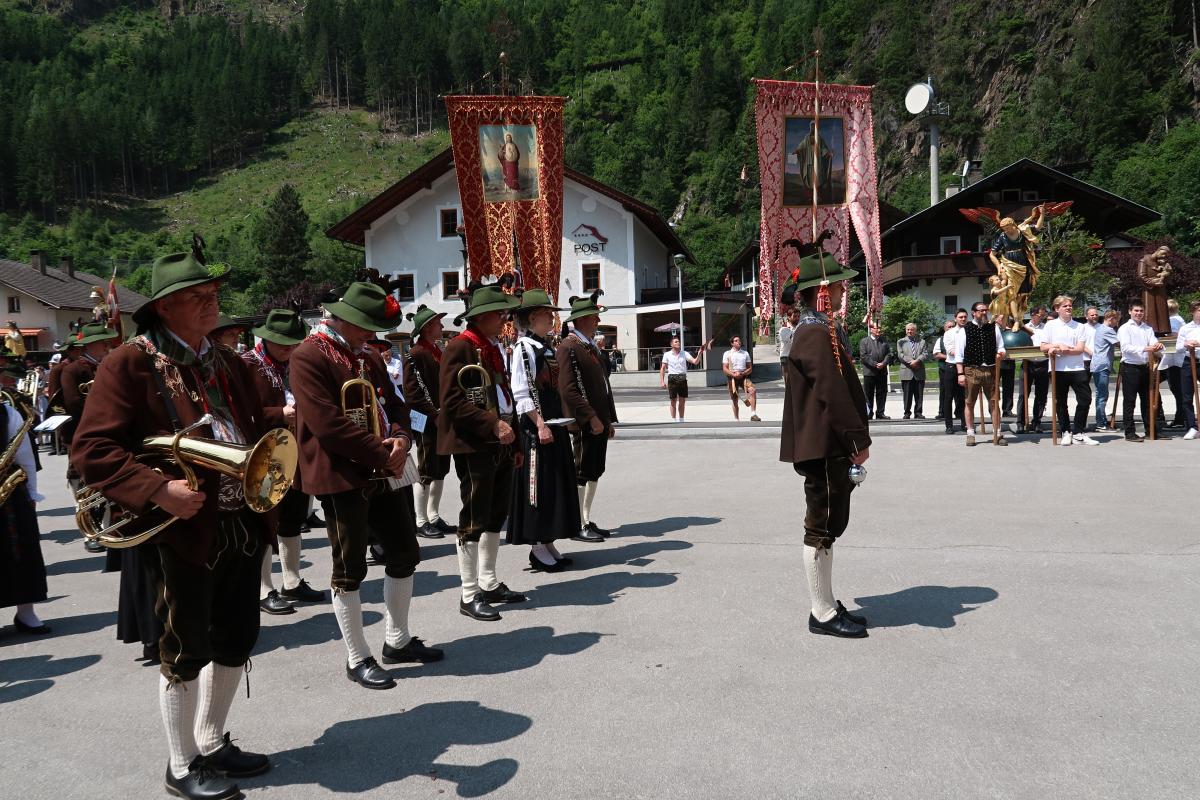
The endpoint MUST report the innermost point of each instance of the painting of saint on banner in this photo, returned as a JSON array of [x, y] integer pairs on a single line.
[[827, 170], [508, 162]]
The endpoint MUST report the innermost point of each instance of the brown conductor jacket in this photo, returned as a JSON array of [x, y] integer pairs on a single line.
[[824, 411], [422, 362], [125, 407], [54, 382], [462, 426], [335, 454], [594, 398], [73, 375]]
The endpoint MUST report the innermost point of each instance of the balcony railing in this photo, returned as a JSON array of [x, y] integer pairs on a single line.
[[954, 265]]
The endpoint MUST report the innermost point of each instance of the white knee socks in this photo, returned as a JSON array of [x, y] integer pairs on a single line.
[[289, 559], [435, 501], [489, 550], [397, 594], [589, 494], [420, 502], [347, 607], [468, 569], [584, 518], [218, 685], [177, 702], [818, 564], [265, 584]]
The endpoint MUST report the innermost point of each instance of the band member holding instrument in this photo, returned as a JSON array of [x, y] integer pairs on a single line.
[[354, 433], [163, 380], [422, 389], [545, 504], [476, 427], [228, 332], [67, 352], [586, 396], [824, 432], [94, 343], [279, 335], [22, 570]]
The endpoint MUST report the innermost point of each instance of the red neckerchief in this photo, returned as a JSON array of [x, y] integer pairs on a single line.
[[433, 349], [489, 353], [276, 371]]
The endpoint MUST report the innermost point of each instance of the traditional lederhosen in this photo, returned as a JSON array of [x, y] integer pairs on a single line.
[[206, 569]]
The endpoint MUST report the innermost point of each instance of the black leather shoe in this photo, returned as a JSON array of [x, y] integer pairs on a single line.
[[1133, 437], [918, 416], [479, 609], [428, 531], [314, 521], [839, 626], [234, 762], [950, 430], [538, 566], [908, 416], [594, 528], [32, 630], [305, 527], [202, 782], [587, 535], [856, 618], [92, 546], [566, 561], [374, 556], [369, 675], [882, 416], [501, 594], [274, 604], [443, 526], [303, 593], [415, 652]]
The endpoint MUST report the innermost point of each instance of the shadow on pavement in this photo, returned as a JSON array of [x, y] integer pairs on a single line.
[[74, 566], [64, 536], [317, 629], [594, 590], [364, 754], [927, 606], [27, 676], [503, 651], [658, 527], [591, 556], [65, 511]]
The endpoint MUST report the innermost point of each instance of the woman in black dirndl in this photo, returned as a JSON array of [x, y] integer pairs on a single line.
[[22, 570], [545, 503]]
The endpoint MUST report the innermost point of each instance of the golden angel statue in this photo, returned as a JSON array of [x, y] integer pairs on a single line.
[[1014, 255]]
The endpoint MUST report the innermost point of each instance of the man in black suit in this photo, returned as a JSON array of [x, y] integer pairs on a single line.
[[875, 356]]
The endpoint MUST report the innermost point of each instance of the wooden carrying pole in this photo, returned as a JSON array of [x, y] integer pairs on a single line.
[[1112, 418], [1025, 395], [1195, 393], [996, 419], [1153, 361], [1053, 402]]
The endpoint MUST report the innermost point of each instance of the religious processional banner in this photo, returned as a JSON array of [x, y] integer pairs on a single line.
[[841, 164], [508, 158]]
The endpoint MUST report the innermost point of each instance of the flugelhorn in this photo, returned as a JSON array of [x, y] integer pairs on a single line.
[[481, 395], [362, 411], [265, 470]]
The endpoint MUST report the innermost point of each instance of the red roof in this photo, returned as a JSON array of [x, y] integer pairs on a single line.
[[353, 228]]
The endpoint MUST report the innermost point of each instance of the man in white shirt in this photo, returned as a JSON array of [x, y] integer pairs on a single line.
[[1186, 343], [1091, 322], [1138, 342], [1064, 338], [737, 367], [1169, 366], [672, 376], [948, 377]]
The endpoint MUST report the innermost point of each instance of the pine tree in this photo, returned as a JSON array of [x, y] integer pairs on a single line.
[[282, 236]]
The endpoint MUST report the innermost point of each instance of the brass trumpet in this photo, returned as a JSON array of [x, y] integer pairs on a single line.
[[85, 387], [362, 411], [482, 395], [265, 470]]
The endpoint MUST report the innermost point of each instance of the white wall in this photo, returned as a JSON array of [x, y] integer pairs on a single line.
[[967, 290]]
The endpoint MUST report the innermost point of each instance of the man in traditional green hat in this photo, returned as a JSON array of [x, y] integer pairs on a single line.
[[824, 430], [279, 335], [67, 352], [475, 425], [227, 331], [586, 396], [422, 390], [350, 465], [206, 564]]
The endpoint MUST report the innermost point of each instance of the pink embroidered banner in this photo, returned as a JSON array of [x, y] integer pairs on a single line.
[[508, 158], [843, 173]]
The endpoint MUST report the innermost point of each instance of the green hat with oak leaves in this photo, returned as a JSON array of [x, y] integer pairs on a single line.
[[173, 273]]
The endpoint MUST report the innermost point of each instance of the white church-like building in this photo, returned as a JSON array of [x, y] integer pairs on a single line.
[[611, 241]]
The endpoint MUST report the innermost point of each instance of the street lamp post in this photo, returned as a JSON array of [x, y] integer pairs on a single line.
[[678, 259]]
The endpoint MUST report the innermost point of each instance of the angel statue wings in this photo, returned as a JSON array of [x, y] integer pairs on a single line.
[[1014, 255]]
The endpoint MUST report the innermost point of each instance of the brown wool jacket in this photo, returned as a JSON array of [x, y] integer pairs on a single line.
[[824, 411], [272, 396], [599, 400], [125, 407], [75, 374], [54, 382], [463, 427], [335, 454], [420, 360]]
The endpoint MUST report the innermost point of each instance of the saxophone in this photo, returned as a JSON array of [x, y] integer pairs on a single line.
[[13, 476]]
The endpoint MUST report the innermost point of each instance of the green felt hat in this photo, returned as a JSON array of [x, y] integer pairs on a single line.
[[423, 317], [537, 298], [490, 298], [809, 273], [283, 327], [367, 306], [95, 332], [226, 321], [173, 273], [585, 307]]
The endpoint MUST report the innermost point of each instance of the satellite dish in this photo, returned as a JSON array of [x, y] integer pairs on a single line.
[[918, 98]]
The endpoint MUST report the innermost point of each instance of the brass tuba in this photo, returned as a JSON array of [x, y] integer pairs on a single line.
[[265, 468], [362, 410], [482, 395]]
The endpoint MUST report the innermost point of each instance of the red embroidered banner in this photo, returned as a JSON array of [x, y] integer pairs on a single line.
[[508, 158], [843, 172]]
